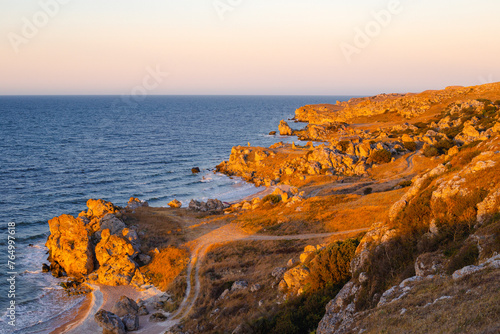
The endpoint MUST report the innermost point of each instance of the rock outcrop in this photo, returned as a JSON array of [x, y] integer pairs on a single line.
[[285, 129], [70, 245], [97, 243], [211, 206]]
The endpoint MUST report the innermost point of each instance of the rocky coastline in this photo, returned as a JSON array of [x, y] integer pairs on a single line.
[[393, 194]]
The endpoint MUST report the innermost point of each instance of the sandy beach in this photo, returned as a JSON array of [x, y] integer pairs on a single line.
[[103, 297]]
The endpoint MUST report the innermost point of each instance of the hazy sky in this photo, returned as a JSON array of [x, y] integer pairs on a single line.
[[328, 47]]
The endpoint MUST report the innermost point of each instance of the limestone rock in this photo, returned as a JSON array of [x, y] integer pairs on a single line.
[[134, 203], [429, 264], [339, 311], [239, 285], [492, 263], [211, 206], [112, 223], [157, 317], [285, 129], [110, 323], [453, 151], [70, 246], [295, 278], [99, 208], [125, 306], [278, 273], [175, 204], [255, 287], [114, 255], [490, 205], [131, 322]]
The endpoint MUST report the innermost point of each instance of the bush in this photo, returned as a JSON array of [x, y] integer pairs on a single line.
[[410, 146], [331, 266], [404, 184], [453, 131], [467, 255], [367, 191], [381, 156], [274, 199], [431, 151]]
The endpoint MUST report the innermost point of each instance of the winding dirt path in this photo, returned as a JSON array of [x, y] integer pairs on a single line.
[[224, 234]]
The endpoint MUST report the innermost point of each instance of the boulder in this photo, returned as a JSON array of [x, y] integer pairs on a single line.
[[239, 285], [453, 151], [110, 323], [212, 206], [195, 170], [339, 311], [278, 273], [429, 264], [112, 223], [131, 322], [134, 203], [114, 255], [272, 133], [175, 204], [70, 246], [99, 208], [295, 278], [125, 306], [285, 129]]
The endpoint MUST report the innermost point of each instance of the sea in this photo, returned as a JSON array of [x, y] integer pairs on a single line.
[[59, 151]]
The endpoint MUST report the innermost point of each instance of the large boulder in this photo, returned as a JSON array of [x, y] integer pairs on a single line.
[[212, 206], [125, 306], [110, 323], [99, 208], [131, 322], [114, 255], [112, 223], [69, 245]]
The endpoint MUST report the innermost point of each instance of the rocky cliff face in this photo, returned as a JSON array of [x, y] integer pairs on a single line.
[[453, 205], [69, 245]]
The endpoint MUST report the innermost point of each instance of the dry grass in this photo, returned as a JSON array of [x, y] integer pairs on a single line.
[[252, 261], [473, 308], [166, 266], [320, 214]]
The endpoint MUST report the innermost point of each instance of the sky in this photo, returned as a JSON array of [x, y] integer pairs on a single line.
[[246, 47]]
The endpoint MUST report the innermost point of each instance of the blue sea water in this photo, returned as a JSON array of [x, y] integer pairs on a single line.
[[59, 151]]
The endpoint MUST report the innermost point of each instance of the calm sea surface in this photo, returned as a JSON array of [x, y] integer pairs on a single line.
[[59, 151]]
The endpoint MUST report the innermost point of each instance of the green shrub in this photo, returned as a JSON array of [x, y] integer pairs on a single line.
[[444, 145], [410, 146], [274, 199], [453, 131], [431, 151], [466, 256], [331, 266], [381, 156]]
